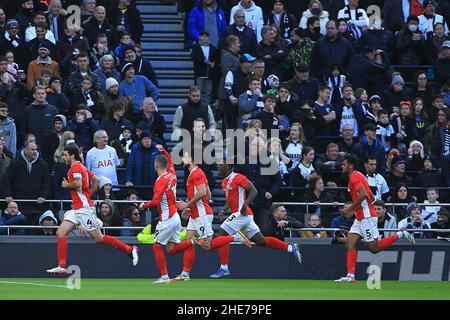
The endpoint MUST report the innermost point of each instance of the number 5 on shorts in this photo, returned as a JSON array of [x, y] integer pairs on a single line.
[[368, 234]]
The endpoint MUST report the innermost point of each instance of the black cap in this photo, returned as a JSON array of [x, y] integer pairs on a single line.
[[370, 126]]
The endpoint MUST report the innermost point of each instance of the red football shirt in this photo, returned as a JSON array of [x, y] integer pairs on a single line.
[[81, 197], [234, 187], [164, 192], [366, 208], [201, 207]]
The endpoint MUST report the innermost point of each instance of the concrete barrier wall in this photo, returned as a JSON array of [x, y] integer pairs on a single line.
[[31, 256]]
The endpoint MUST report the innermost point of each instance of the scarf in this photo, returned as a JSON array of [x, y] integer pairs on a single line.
[[13, 41]]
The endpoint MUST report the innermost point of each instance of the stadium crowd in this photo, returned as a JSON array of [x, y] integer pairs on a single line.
[[323, 77]]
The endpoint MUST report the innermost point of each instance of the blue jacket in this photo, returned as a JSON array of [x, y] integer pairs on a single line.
[[7, 220], [196, 22], [84, 131], [135, 165], [140, 88]]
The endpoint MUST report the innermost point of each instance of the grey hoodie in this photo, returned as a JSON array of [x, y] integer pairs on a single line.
[[29, 163], [8, 129]]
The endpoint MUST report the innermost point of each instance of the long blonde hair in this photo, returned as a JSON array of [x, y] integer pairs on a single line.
[[301, 137]]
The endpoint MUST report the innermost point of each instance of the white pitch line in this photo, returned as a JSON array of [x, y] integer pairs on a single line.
[[34, 284]]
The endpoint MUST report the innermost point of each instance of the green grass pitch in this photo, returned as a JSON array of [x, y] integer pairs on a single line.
[[217, 289]]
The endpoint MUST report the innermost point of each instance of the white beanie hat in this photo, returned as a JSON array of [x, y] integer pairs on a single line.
[[110, 82], [416, 142], [104, 180]]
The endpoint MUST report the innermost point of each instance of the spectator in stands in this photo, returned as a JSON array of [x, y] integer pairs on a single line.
[[315, 195], [394, 15], [136, 87], [346, 32], [186, 114], [112, 96], [75, 78], [268, 184], [12, 41], [410, 43], [329, 50], [304, 85], [110, 218], [87, 10], [314, 221], [349, 112], [279, 221], [301, 175], [38, 116], [376, 181], [363, 67], [271, 53], [356, 17], [5, 161], [281, 18], [414, 220], [370, 146], [299, 52], [416, 155], [442, 65], [249, 101], [140, 168], [445, 150], [105, 189], [327, 111], [2, 20], [312, 122], [294, 143], [434, 43], [33, 46], [429, 18], [84, 126], [442, 222], [53, 139], [378, 37], [57, 98], [30, 32], [106, 70], [245, 34], [97, 25], [403, 125], [335, 81], [429, 176], [284, 162], [152, 119], [348, 140], [132, 218], [88, 96], [205, 57], [56, 19], [401, 194], [267, 116], [253, 16], [142, 66], [206, 16], [59, 169], [287, 103], [312, 31], [124, 42], [397, 92], [385, 220], [25, 15], [12, 216], [102, 159], [397, 173], [28, 177], [8, 130], [315, 9], [372, 114], [329, 163], [116, 122], [422, 89], [126, 17], [47, 219], [99, 50], [431, 204]]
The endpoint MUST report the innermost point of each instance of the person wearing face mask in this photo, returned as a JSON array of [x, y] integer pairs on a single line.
[[356, 17], [315, 9], [443, 222], [410, 44], [346, 32], [312, 30]]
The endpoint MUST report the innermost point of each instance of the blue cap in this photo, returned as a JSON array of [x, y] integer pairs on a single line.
[[246, 58]]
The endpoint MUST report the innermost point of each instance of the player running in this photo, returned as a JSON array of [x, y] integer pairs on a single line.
[[83, 213], [168, 228], [365, 225], [240, 192], [200, 216]]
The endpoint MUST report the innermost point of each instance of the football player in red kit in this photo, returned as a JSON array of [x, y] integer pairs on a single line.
[[83, 213], [365, 225]]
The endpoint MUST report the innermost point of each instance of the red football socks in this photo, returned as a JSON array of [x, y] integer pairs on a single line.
[[275, 243], [180, 247], [160, 258], [351, 261], [224, 254], [220, 242], [387, 242], [188, 259], [62, 251], [116, 244]]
